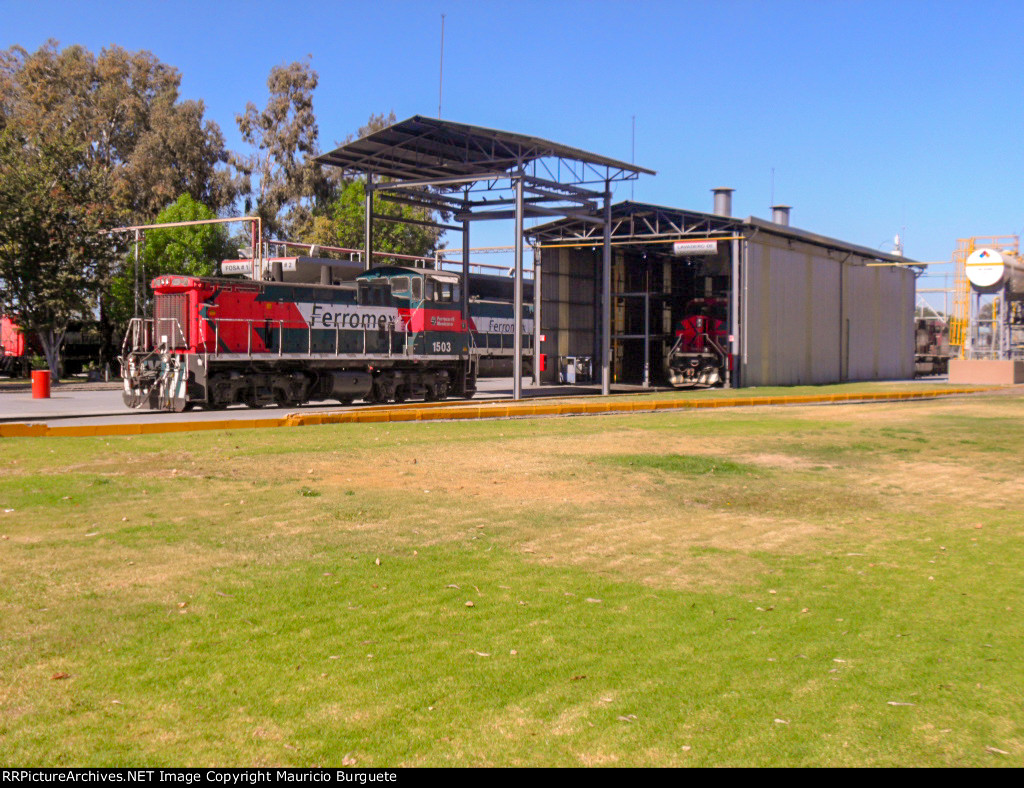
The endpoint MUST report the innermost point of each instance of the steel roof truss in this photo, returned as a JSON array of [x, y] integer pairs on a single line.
[[560, 186], [419, 202], [418, 222]]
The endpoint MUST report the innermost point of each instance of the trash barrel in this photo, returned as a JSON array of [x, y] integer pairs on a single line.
[[40, 384]]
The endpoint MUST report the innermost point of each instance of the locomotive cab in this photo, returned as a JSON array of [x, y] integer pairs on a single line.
[[374, 292], [443, 288], [430, 303]]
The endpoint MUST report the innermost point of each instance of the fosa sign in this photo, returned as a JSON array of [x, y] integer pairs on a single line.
[[350, 316], [231, 267]]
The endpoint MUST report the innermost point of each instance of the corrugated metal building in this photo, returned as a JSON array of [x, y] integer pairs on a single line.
[[802, 308]]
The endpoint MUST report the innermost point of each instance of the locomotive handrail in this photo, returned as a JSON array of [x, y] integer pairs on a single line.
[[132, 335], [409, 345], [718, 349], [281, 325], [147, 327]]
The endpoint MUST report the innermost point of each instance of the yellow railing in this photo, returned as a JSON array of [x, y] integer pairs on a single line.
[[961, 296]]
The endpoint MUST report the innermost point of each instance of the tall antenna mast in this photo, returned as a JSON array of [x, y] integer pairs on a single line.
[[440, 77], [632, 159]]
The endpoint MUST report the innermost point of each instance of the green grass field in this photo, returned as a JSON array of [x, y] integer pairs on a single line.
[[795, 586]]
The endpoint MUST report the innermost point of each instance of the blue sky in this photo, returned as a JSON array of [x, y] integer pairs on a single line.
[[876, 116]]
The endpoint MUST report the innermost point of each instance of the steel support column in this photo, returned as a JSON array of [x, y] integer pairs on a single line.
[[465, 268], [137, 277], [606, 292], [734, 313], [647, 330], [517, 353], [368, 225], [536, 316]]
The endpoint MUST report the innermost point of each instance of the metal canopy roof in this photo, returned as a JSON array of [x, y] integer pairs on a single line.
[[423, 148], [638, 219]]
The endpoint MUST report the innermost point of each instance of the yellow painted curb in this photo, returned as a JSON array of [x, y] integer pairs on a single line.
[[442, 411]]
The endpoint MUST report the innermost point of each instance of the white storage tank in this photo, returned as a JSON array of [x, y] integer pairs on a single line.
[[988, 270]]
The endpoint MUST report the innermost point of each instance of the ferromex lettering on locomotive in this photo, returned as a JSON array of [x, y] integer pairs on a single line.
[[391, 334], [500, 325], [347, 316]]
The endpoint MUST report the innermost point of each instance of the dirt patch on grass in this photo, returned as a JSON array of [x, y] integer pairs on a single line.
[[550, 490], [950, 484], [704, 549], [785, 461], [559, 501]]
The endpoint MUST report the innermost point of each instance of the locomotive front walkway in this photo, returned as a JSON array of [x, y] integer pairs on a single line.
[[559, 405]]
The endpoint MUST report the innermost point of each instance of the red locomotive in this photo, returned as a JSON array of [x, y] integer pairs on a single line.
[[392, 334], [699, 355]]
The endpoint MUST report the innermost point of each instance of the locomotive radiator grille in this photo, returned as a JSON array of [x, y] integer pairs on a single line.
[[171, 320]]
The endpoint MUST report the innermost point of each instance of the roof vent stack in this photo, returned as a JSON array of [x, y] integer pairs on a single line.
[[780, 214], [723, 200]]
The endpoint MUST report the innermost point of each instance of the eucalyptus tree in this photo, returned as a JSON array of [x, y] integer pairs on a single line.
[[137, 147]]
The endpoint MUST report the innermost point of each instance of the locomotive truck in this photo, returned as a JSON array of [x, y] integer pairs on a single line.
[[392, 334]]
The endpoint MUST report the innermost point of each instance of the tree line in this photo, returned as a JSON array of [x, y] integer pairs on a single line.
[[89, 142]]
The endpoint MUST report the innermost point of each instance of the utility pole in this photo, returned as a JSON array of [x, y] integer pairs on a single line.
[[632, 160], [440, 77]]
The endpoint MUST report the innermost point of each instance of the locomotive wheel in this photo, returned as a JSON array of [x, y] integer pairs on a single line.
[[131, 399], [436, 393], [381, 393], [401, 394], [346, 401]]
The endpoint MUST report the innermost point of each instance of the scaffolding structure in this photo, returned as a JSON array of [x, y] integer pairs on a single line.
[[974, 332]]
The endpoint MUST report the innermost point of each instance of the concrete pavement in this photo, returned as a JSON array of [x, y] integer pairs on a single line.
[[71, 405]]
